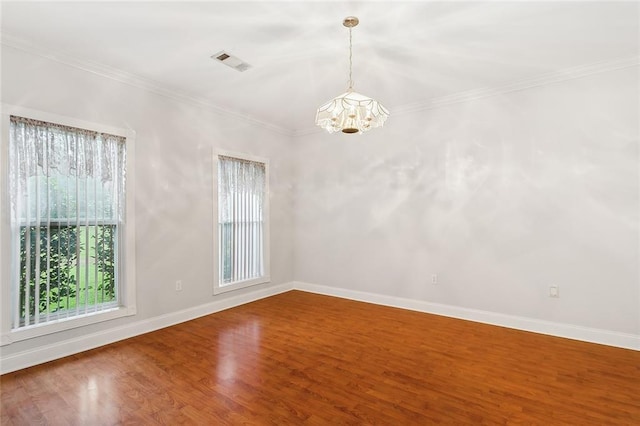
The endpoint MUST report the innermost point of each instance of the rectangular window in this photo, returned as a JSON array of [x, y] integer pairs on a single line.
[[242, 190], [68, 204]]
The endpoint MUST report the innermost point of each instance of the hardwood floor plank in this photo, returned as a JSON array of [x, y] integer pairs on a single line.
[[301, 358]]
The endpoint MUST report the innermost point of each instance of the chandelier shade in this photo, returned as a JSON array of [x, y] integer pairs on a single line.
[[351, 112]]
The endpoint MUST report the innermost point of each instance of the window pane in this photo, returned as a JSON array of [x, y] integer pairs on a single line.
[[67, 205], [241, 197]]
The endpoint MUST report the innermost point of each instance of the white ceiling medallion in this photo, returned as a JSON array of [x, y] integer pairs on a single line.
[[351, 112]]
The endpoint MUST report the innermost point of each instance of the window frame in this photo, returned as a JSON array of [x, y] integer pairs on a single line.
[[127, 306], [218, 288]]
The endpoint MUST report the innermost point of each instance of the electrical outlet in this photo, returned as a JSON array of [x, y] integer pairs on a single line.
[[434, 279], [178, 285], [554, 291]]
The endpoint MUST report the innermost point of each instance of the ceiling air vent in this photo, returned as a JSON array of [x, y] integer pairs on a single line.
[[231, 61]]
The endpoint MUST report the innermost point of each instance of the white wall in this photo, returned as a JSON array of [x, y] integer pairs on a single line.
[[174, 207], [500, 197]]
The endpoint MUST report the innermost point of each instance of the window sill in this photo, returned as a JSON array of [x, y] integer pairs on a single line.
[[218, 289], [64, 324]]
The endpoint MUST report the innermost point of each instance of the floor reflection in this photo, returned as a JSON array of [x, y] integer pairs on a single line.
[[238, 348]]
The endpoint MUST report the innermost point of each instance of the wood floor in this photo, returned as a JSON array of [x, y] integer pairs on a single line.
[[300, 358]]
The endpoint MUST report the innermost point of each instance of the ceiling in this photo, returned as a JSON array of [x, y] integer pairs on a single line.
[[405, 53]]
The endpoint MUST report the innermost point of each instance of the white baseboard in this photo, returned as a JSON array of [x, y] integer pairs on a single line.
[[592, 335], [79, 344]]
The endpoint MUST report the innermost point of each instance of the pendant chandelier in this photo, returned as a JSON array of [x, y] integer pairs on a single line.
[[351, 112]]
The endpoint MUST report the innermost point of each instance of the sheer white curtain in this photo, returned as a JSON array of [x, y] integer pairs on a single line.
[[241, 192], [67, 200]]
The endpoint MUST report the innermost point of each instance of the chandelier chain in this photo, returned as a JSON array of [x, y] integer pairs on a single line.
[[350, 60]]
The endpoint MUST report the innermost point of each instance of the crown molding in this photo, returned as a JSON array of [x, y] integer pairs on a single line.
[[530, 83], [134, 80], [485, 92], [433, 103]]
